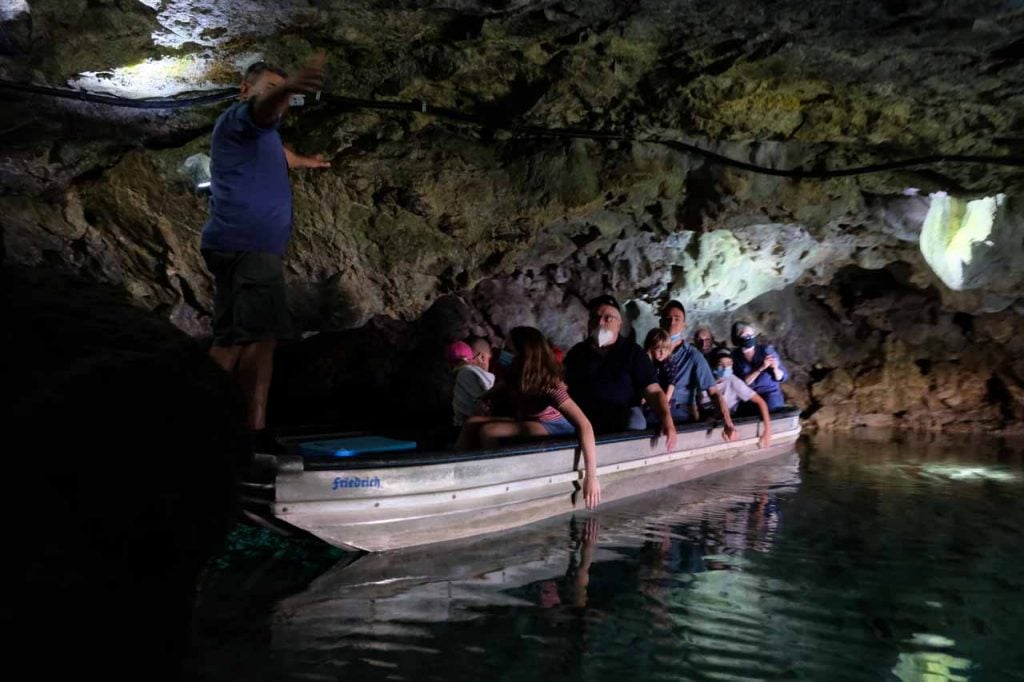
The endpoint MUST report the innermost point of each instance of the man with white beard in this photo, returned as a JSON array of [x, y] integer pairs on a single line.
[[608, 375]]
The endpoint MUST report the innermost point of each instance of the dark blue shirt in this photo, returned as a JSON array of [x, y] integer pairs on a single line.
[[765, 384], [688, 371], [606, 385], [251, 202]]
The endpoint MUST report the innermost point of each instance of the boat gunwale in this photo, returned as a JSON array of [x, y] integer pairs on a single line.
[[410, 459], [499, 487]]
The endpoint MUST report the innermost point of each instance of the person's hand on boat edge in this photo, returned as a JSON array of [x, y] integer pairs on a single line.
[[591, 489], [668, 429], [728, 433], [765, 440]]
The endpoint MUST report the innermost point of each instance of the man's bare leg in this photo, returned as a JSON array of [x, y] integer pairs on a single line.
[[255, 369], [226, 356]]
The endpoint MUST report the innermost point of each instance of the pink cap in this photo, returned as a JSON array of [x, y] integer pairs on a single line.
[[457, 351]]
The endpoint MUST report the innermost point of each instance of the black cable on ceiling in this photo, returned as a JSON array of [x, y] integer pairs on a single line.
[[111, 100], [930, 160], [528, 130]]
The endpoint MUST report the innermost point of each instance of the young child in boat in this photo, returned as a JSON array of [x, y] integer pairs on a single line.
[[533, 402], [469, 363], [734, 390], [658, 346]]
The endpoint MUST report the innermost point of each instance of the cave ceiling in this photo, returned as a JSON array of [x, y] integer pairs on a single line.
[[419, 204], [842, 83]]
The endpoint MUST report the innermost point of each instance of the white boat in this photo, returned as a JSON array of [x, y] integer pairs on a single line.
[[386, 501]]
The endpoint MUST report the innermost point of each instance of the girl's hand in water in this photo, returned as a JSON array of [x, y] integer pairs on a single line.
[[591, 490]]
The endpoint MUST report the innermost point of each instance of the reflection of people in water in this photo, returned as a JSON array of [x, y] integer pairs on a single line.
[[765, 518], [573, 589], [747, 526]]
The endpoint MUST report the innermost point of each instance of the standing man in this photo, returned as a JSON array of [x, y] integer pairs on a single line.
[[244, 240], [608, 374], [689, 372]]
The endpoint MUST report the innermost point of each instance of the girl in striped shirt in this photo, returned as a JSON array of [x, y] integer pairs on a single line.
[[533, 402]]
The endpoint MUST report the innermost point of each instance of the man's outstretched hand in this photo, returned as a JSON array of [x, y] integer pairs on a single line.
[[310, 77], [297, 161], [270, 105]]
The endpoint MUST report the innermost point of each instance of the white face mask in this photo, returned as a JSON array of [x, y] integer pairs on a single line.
[[603, 337]]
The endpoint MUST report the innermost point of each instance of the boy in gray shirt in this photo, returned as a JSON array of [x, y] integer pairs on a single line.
[[734, 391], [472, 379]]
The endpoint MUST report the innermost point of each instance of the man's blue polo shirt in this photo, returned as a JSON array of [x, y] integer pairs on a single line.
[[251, 202], [688, 371]]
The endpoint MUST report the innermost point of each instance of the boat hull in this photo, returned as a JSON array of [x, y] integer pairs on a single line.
[[423, 500]]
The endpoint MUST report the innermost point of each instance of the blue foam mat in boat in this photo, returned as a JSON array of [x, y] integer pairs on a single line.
[[354, 445]]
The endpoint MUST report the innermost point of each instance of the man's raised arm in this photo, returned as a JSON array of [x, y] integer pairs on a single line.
[[269, 106]]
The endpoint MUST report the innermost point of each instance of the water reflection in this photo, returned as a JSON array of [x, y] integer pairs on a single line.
[[557, 583], [572, 590], [861, 559]]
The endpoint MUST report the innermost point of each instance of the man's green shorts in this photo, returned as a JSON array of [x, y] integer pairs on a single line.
[[249, 298]]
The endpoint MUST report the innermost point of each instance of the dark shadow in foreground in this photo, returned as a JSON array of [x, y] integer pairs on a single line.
[[122, 445]]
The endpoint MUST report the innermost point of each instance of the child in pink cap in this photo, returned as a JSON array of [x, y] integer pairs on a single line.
[[472, 380], [458, 353]]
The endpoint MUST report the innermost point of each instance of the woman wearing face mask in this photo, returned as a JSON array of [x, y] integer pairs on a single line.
[[735, 391], [533, 402], [502, 362], [758, 365]]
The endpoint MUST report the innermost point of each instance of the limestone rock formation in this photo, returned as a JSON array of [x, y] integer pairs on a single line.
[[524, 226]]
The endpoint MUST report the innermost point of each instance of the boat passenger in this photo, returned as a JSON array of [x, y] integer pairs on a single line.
[[688, 371], [472, 380], [502, 362], [557, 352], [658, 347], [735, 391], [482, 353], [758, 365], [608, 374], [533, 402], [457, 354], [704, 340]]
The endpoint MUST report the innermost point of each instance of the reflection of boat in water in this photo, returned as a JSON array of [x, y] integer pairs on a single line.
[[387, 501], [443, 582]]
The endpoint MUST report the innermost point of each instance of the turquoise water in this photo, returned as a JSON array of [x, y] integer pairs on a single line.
[[856, 559]]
